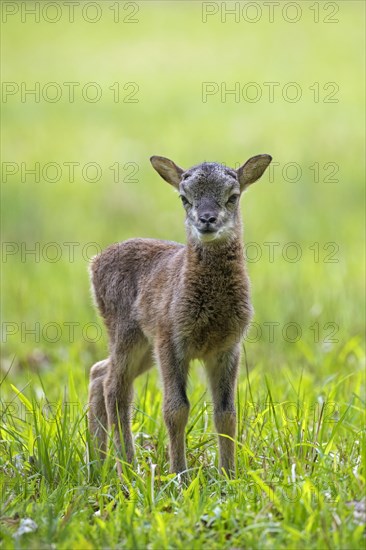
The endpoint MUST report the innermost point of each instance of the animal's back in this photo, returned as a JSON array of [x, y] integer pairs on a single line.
[[118, 272]]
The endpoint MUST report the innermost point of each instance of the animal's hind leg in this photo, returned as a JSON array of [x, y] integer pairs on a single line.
[[126, 358], [97, 414]]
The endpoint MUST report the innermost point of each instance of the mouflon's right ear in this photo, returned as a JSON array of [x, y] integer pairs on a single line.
[[168, 170]]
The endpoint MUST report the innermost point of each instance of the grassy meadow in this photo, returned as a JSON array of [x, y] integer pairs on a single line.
[[114, 83]]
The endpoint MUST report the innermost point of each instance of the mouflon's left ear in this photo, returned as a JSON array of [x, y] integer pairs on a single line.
[[252, 170]]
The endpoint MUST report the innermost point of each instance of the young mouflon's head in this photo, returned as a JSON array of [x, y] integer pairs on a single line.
[[210, 193]]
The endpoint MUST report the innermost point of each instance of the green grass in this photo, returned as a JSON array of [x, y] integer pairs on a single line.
[[301, 393], [298, 461]]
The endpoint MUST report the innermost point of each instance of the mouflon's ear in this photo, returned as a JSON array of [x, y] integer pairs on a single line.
[[252, 170], [168, 170]]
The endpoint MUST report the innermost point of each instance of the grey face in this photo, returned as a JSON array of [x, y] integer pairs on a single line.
[[210, 194]]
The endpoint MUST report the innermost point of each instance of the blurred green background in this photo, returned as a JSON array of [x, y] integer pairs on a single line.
[[168, 54]]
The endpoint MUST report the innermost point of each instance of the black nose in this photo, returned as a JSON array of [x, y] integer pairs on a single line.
[[207, 218]]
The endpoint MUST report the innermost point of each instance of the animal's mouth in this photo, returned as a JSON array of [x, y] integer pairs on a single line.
[[206, 230], [208, 234]]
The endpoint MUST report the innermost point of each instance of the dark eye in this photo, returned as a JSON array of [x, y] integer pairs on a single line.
[[185, 201], [233, 199]]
